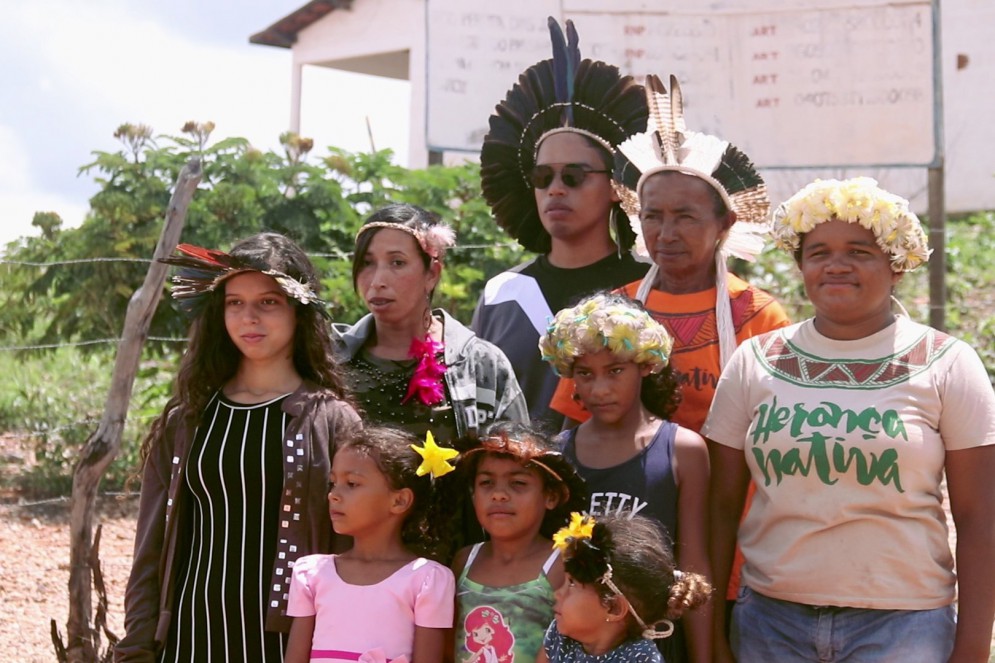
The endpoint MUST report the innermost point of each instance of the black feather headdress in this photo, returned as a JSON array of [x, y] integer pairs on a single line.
[[564, 93]]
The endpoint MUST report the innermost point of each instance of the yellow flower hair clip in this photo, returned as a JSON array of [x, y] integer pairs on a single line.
[[435, 459], [580, 527]]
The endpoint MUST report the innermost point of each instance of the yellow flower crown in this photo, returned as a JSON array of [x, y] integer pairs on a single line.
[[896, 229], [603, 322]]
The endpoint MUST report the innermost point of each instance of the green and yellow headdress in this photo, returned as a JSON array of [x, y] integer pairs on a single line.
[[605, 322]]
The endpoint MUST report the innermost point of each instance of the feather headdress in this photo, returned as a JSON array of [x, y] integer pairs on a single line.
[[668, 146], [562, 94], [202, 270]]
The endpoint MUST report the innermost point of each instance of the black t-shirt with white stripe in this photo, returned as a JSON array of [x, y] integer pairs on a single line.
[[234, 477]]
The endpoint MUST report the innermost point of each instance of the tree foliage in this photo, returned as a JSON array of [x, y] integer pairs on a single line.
[[89, 273], [319, 202]]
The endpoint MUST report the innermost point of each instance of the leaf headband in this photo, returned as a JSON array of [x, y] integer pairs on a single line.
[[601, 322], [202, 270], [433, 239], [586, 547], [860, 200]]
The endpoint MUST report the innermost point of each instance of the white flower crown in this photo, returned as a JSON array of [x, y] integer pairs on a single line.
[[860, 200]]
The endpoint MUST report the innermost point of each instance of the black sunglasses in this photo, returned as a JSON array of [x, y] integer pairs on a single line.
[[572, 175]]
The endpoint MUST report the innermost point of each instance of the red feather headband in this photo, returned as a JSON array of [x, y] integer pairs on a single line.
[[202, 270]]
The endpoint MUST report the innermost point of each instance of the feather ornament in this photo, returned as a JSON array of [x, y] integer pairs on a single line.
[[201, 270], [426, 382], [564, 92]]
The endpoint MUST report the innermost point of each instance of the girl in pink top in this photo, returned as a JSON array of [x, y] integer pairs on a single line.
[[380, 601]]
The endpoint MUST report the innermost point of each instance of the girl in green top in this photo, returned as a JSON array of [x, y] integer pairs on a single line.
[[522, 491]]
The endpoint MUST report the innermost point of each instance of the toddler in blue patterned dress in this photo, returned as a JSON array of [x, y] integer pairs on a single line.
[[620, 586]]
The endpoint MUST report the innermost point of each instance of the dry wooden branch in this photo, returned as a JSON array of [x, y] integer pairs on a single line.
[[102, 446]]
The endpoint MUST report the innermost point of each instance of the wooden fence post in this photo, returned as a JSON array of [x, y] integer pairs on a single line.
[[82, 641]]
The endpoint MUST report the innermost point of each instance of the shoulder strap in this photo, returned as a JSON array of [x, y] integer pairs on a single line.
[[549, 561], [472, 556]]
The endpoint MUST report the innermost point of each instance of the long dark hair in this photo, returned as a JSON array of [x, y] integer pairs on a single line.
[[211, 358]]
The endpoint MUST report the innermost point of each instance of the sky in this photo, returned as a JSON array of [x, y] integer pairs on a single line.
[[74, 70]]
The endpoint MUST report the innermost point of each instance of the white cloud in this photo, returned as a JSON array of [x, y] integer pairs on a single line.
[[12, 173], [110, 64], [123, 67], [19, 208], [20, 199]]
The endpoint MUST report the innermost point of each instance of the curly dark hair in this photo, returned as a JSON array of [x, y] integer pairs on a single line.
[[423, 532], [642, 569], [212, 359], [525, 444], [660, 393]]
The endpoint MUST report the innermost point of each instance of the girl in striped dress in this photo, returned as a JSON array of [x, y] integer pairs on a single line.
[[236, 467]]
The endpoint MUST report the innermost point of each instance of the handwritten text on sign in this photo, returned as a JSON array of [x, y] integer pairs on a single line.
[[838, 86]]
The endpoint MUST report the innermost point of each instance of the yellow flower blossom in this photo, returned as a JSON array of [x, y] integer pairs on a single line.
[[580, 527], [860, 200], [435, 459]]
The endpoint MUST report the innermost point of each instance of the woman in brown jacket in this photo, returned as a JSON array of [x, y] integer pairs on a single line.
[[236, 467]]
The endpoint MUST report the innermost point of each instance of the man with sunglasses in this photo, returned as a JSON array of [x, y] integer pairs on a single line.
[[546, 173]]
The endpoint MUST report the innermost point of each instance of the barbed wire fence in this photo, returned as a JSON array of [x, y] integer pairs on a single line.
[[43, 433]]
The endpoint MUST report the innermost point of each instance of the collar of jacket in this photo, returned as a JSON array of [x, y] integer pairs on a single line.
[[350, 339]]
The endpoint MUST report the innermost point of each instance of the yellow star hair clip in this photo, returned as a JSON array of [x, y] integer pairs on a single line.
[[580, 527], [435, 459]]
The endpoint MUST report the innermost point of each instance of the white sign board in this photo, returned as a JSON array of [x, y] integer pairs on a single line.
[[793, 86]]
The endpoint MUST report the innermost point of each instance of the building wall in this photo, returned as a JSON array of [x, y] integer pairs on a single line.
[[347, 39]]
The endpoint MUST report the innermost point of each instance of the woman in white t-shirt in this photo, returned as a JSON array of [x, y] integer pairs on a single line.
[[846, 423]]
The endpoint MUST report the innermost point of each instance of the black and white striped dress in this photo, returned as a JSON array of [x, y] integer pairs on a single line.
[[234, 476]]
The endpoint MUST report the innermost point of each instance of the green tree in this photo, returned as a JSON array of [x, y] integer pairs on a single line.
[[320, 203]]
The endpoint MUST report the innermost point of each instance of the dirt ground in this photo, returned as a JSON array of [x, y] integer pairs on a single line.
[[34, 572]]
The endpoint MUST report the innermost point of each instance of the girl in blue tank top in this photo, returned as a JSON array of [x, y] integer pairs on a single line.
[[522, 491], [634, 460]]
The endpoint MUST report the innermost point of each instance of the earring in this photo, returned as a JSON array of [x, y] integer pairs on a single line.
[[427, 317]]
